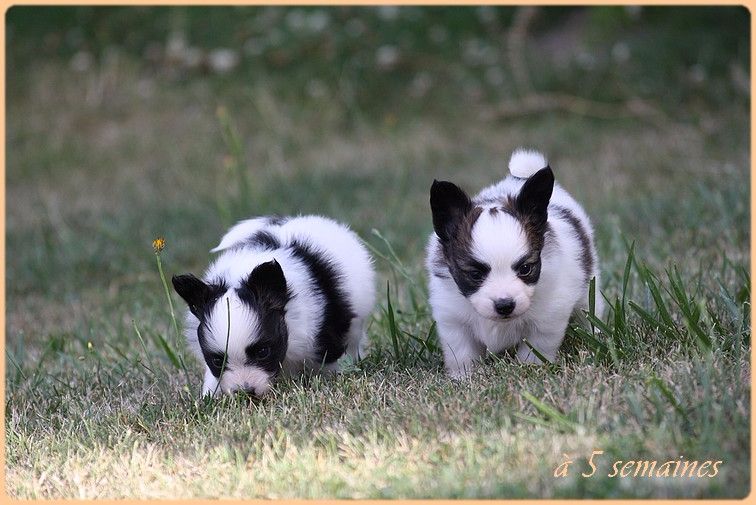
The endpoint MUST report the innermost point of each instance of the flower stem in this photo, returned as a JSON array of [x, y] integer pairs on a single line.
[[168, 296]]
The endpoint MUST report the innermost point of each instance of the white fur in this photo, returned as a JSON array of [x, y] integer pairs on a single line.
[[525, 162], [501, 282], [304, 311], [467, 328]]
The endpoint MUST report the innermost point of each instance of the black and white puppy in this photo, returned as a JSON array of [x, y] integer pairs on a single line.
[[512, 263], [285, 295]]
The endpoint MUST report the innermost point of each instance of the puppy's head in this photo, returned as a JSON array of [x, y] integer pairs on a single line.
[[247, 320], [493, 251]]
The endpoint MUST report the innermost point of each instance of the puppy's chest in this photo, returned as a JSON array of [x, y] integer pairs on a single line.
[[498, 336]]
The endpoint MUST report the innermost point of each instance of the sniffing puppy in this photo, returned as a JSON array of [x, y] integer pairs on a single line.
[[513, 263], [286, 294]]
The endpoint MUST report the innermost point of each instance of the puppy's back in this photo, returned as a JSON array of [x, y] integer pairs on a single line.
[[332, 243]]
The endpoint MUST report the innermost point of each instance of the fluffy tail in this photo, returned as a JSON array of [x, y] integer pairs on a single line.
[[526, 162]]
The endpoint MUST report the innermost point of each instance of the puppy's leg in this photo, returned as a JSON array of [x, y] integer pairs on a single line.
[[357, 340], [460, 349], [210, 384]]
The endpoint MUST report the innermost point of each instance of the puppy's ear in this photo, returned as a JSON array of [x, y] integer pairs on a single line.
[[533, 200], [266, 285], [195, 293], [449, 204]]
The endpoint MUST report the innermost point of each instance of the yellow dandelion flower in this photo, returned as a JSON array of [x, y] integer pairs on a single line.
[[158, 244]]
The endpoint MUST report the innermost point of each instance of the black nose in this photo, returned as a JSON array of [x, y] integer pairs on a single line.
[[504, 306]]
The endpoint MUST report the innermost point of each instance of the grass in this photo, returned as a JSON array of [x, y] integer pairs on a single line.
[[98, 404]]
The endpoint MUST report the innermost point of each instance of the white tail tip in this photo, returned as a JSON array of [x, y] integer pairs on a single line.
[[525, 162]]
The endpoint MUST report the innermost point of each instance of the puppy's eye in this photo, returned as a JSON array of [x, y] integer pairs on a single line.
[[525, 270], [262, 353], [217, 361], [476, 272], [476, 275]]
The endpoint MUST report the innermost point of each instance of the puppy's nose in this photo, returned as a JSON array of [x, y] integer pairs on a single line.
[[504, 306]]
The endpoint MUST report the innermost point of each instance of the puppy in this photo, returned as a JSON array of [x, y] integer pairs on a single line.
[[513, 263], [285, 295]]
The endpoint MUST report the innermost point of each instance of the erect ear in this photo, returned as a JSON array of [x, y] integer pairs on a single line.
[[194, 292], [533, 200], [449, 204], [267, 285]]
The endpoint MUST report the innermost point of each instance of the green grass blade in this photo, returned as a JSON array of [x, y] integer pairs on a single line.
[[536, 351], [168, 351], [551, 413], [393, 330]]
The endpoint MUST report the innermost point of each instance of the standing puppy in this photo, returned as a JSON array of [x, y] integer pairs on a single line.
[[286, 294], [513, 263]]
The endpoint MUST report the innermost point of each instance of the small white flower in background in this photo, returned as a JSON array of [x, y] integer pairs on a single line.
[[620, 52], [296, 20], [82, 61], [421, 84], [175, 47], [387, 56], [316, 88], [318, 21], [697, 73], [388, 12], [223, 60], [740, 80]]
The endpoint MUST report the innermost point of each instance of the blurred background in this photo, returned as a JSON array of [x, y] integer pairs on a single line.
[[199, 116]]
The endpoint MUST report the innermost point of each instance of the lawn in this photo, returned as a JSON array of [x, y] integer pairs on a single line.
[[116, 135]]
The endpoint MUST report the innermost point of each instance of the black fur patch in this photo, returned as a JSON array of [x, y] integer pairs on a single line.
[[213, 358], [453, 219], [531, 260], [276, 220], [337, 312], [531, 206], [270, 350], [263, 239], [266, 292], [198, 295], [586, 256]]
